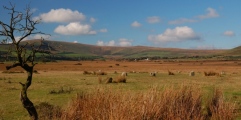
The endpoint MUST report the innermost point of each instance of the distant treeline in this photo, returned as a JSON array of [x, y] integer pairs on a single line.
[[49, 58], [81, 58], [218, 57]]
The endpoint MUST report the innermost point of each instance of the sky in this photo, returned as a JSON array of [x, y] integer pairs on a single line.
[[188, 24]]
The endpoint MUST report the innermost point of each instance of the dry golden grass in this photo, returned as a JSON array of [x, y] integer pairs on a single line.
[[66, 74], [184, 103], [218, 109], [143, 66]]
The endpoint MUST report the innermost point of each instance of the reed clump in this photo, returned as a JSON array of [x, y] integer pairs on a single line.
[[100, 73], [170, 73], [120, 79], [184, 103], [48, 111], [87, 73], [211, 73]]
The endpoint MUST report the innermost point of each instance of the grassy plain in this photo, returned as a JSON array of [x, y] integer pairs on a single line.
[[68, 76]]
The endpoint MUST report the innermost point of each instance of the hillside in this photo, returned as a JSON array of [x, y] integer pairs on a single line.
[[78, 50], [234, 52]]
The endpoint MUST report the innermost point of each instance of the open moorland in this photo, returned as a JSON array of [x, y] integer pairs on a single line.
[[58, 84]]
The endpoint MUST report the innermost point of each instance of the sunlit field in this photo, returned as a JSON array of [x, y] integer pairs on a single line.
[[60, 83]]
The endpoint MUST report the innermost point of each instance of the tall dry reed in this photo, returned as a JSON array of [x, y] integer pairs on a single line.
[[184, 103]]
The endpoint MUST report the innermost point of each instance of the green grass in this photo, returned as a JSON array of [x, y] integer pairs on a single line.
[[43, 83], [151, 54], [69, 54]]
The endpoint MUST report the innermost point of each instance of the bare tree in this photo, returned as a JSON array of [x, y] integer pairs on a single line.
[[23, 25]]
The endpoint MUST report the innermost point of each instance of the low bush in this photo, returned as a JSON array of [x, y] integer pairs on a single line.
[[35, 71], [47, 111], [211, 73], [170, 73], [78, 64], [101, 73], [120, 79], [61, 91], [108, 80], [87, 73]]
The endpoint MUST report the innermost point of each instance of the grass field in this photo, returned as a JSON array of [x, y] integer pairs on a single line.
[[58, 83]]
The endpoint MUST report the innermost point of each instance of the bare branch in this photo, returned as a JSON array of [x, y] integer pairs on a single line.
[[13, 66]]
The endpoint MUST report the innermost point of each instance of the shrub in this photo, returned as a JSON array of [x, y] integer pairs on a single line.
[[108, 80], [124, 74], [153, 74], [192, 73], [170, 73], [78, 64], [47, 111], [211, 73], [120, 79], [61, 91], [35, 71], [86, 73], [101, 73]]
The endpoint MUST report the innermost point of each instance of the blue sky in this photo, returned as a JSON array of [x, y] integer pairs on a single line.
[[190, 24]]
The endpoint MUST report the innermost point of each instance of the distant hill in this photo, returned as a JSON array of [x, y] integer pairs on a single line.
[[78, 50], [234, 52]]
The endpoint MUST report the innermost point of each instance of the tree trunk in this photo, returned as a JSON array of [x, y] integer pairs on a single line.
[[27, 104]]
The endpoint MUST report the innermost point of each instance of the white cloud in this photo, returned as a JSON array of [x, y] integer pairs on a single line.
[[92, 20], [18, 38], [103, 30], [211, 13], [62, 15], [109, 43], [153, 19], [37, 36], [175, 35], [100, 43], [125, 42], [182, 20], [229, 33], [121, 42], [75, 41], [136, 24], [75, 28]]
